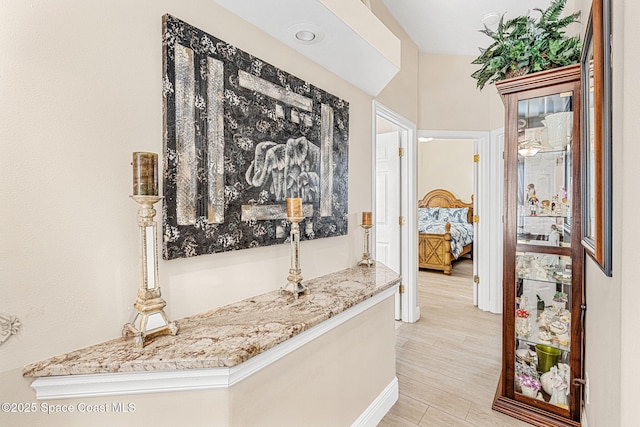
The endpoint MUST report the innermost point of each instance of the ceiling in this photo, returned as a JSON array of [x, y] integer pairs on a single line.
[[451, 26], [338, 28], [342, 36]]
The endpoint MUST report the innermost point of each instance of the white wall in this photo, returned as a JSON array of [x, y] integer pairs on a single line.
[[449, 100], [401, 94], [80, 86], [446, 164], [613, 349], [626, 235], [612, 318]]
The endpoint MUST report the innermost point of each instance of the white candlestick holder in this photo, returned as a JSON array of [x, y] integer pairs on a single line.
[[150, 318], [366, 260], [294, 284]]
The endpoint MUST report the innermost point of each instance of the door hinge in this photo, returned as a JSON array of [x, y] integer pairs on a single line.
[[476, 279], [401, 220], [401, 289], [401, 151], [476, 219], [476, 158], [503, 155]]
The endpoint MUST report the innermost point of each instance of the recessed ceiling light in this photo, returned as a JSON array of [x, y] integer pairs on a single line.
[[490, 19], [305, 35]]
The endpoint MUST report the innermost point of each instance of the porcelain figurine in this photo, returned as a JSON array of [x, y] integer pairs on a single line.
[[532, 200], [559, 384], [554, 236], [546, 207]]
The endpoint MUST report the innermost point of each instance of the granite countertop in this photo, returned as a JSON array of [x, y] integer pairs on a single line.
[[230, 335]]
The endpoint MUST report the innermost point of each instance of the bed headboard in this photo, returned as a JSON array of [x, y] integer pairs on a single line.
[[445, 199]]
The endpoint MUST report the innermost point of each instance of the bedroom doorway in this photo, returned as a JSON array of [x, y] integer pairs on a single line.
[[394, 201], [486, 166]]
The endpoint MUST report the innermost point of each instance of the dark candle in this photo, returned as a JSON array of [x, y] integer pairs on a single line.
[[145, 174]]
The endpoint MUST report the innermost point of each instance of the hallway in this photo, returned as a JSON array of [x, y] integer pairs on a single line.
[[448, 363]]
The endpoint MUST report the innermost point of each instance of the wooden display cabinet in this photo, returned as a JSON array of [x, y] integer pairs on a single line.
[[543, 331]]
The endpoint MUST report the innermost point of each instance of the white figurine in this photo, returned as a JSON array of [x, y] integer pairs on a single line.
[[554, 236], [560, 384]]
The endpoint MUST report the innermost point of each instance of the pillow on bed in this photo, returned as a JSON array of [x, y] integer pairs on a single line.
[[454, 215], [428, 214]]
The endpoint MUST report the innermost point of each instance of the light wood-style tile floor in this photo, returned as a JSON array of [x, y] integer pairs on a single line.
[[448, 363]]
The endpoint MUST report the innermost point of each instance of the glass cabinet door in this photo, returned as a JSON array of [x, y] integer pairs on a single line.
[[543, 279], [545, 127], [544, 301]]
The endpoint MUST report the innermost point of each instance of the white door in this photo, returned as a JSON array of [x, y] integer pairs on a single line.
[[388, 200], [487, 247]]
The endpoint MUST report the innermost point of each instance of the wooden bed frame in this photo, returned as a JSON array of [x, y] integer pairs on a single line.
[[434, 250]]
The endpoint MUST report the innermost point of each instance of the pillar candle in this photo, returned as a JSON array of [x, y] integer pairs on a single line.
[[294, 207], [366, 218], [145, 174]]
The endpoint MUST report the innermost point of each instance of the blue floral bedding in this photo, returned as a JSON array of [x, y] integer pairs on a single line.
[[461, 233]]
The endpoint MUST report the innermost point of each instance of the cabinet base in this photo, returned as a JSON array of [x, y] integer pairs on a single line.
[[529, 414]]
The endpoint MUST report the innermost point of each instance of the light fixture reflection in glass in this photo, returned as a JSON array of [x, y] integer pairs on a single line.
[[528, 151], [529, 148]]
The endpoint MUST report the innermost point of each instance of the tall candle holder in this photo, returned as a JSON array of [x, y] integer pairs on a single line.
[[150, 318], [366, 260], [294, 214]]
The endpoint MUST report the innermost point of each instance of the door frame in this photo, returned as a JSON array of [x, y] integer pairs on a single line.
[[487, 175], [407, 302]]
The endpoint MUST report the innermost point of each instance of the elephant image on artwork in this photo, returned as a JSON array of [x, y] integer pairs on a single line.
[[286, 170]]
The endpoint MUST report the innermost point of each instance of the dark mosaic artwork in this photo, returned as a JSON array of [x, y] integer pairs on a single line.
[[240, 136]]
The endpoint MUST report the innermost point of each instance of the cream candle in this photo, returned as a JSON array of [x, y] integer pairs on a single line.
[[145, 174], [294, 207]]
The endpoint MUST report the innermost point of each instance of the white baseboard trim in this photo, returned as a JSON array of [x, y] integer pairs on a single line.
[[379, 407], [125, 383]]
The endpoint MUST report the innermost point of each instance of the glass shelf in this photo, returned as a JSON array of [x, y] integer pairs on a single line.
[[545, 267], [551, 327], [549, 277], [543, 216], [543, 230]]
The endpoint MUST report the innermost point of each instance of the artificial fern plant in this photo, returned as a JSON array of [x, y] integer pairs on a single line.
[[526, 45]]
